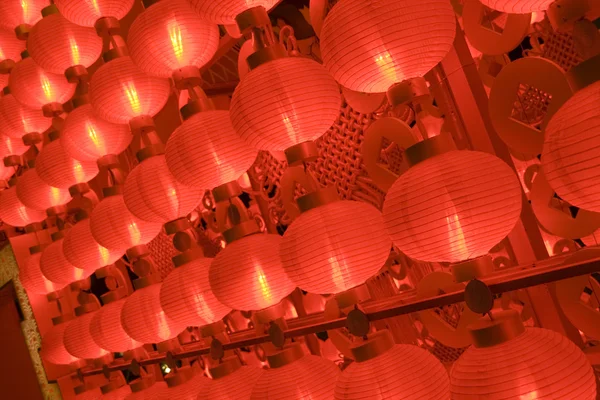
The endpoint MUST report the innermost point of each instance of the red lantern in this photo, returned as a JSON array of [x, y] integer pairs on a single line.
[[152, 194], [185, 384], [15, 213], [57, 269], [10, 49], [206, 152], [78, 339], [185, 295], [19, 12], [150, 393], [169, 35], [107, 331], [119, 393], [82, 250], [86, 13], [17, 120], [120, 91], [33, 280], [236, 385], [10, 146], [91, 394], [225, 11], [37, 194], [53, 348], [56, 44], [518, 6], [369, 45], [58, 169], [284, 102]]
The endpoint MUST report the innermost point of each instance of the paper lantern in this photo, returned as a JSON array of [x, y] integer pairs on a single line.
[[569, 161], [6, 172], [86, 13], [11, 146], [17, 120], [120, 91], [78, 338], [10, 49], [33, 87], [18, 12], [55, 167], [57, 44], [187, 388], [186, 296], [368, 45], [37, 194], [152, 194], [114, 227], [53, 349], [376, 376], [13, 212], [225, 11], [169, 35], [91, 394], [235, 386], [518, 6], [145, 321], [335, 247], [248, 274], [86, 137], [32, 279], [151, 393], [57, 269], [206, 152], [284, 102], [452, 207], [107, 331], [117, 394], [82, 250]]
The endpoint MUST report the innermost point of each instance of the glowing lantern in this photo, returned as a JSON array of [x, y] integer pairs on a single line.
[[37, 194], [6, 172], [375, 373], [169, 35], [230, 381], [82, 250], [78, 339], [58, 169], [527, 363], [185, 384], [86, 13], [56, 44], [17, 120], [225, 12], [53, 348], [152, 194], [107, 331], [33, 280], [10, 146], [10, 50], [116, 393], [35, 88], [150, 391], [55, 266], [186, 296], [206, 152], [517, 6], [145, 321], [284, 102], [91, 394], [13, 212], [120, 91], [369, 45], [20, 12]]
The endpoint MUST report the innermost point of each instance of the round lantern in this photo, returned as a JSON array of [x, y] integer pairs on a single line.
[[78, 339], [225, 12], [107, 331], [37, 194], [452, 207], [6, 172], [140, 390], [86, 137], [33, 280], [57, 269], [296, 376], [34, 88], [186, 295], [114, 227], [120, 91], [20, 12], [169, 35], [57, 44], [569, 161], [10, 49], [86, 13], [152, 194], [369, 45], [248, 274], [53, 348], [116, 392], [144, 320], [13, 212], [11, 146], [230, 381], [525, 363], [58, 169], [185, 384], [90, 394], [375, 373], [17, 120], [518, 6], [82, 250], [284, 102], [335, 247], [206, 152]]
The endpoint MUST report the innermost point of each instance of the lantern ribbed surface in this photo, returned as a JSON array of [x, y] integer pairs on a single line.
[[186, 295], [117, 394], [144, 320], [368, 45], [11, 146], [310, 377], [53, 349], [151, 393], [235, 386], [56, 44], [56, 268], [423, 377], [37, 194], [248, 274], [17, 120], [120, 91], [55, 167], [78, 338], [114, 227], [452, 207], [335, 247], [6, 172], [32, 279], [82, 250], [86, 13], [169, 35], [570, 155], [10, 46], [33, 87], [518, 6], [86, 137], [17, 12], [206, 152], [284, 102], [107, 331], [152, 194], [537, 364], [225, 11], [187, 391], [13, 212]]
